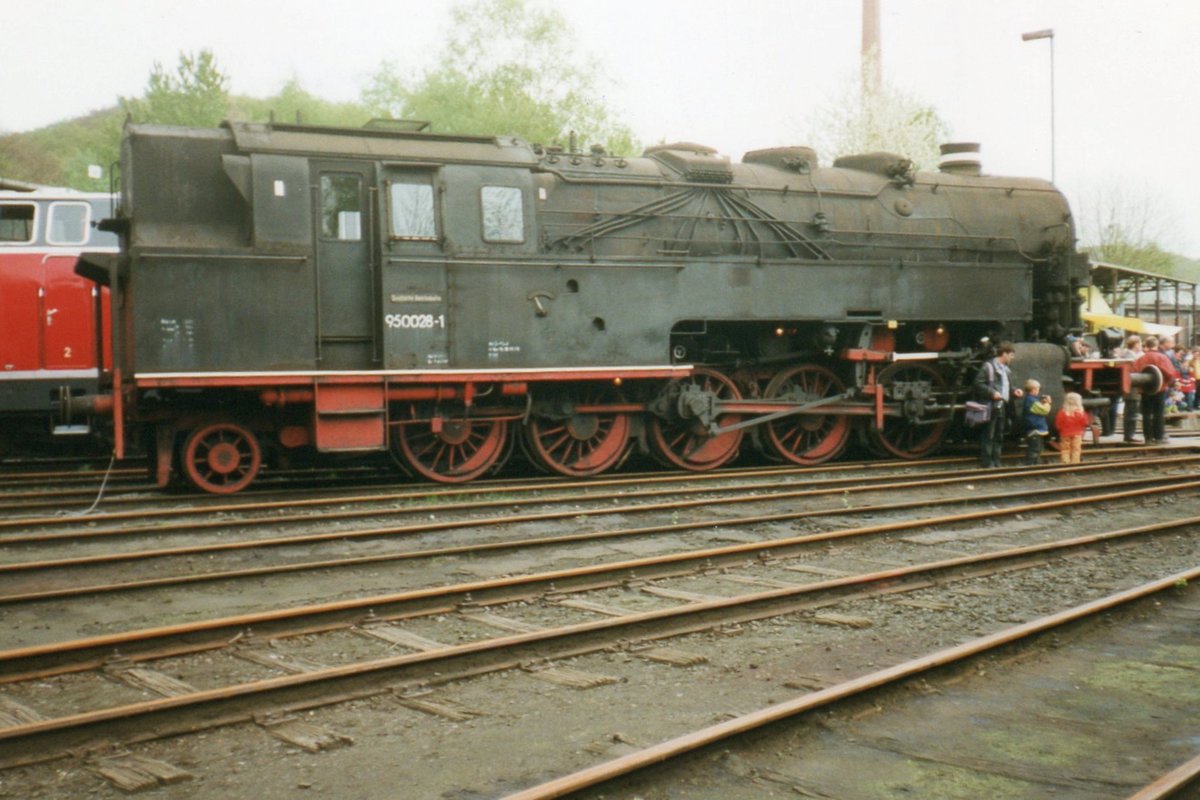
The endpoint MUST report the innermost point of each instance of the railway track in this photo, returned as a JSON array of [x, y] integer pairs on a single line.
[[22, 506], [23, 491], [1055, 718], [311, 685], [390, 499], [703, 599], [27, 490], [671, 512], [24, 487]]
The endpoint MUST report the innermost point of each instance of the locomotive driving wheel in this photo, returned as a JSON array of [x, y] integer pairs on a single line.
[[580, 444], [806, 438], [683, 439], [451, 450], [221, 458], [918, 431]]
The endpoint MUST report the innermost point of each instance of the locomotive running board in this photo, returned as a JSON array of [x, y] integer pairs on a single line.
[[307, 377]]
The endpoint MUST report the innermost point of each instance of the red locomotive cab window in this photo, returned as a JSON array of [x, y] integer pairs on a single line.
[[17, 223], [69, 223], [341, 207]]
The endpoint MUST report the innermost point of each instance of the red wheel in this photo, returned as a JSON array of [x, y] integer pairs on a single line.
[[581, 444], [806, 438], [916, 432], [683, 440], [451, 450], [221, 458]]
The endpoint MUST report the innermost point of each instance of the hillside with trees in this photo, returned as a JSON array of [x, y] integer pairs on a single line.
[[507, 68]]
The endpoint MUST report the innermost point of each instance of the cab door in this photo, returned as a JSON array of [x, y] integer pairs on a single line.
[[416, 302], [68, 301], [68, 316], [346, 267]]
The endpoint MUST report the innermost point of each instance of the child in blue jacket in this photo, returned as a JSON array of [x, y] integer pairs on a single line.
[[1036, 428]]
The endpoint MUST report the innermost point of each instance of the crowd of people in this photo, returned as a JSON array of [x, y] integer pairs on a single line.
[[1175, 394]]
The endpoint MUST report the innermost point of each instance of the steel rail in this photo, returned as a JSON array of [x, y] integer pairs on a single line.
[[483, 487], [781, 489], [515, 544], [81, 486], [475, 488], [140, 474], [210, 634], [1178, 779], [79, 590], [680, 745], [36, 741], [191, 578], [390, 510], [6, 477], [133, 480]]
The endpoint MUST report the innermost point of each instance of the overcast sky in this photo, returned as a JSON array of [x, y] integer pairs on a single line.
[[734, 75]]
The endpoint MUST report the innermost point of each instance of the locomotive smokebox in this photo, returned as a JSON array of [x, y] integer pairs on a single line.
[[961, 158]]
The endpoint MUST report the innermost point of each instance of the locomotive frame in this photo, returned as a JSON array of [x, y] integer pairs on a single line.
[[284, 287]]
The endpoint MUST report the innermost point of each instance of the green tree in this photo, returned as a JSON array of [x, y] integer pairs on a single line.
[[1187, 268], [61, 154], [1124, 226], [865, 117], [23, 158], [196, 93], [293, 103], [506, 68]]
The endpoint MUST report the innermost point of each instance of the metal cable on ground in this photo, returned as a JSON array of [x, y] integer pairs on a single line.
[[100, 494]]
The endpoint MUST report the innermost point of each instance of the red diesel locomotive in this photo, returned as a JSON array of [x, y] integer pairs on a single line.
[[53, 324]]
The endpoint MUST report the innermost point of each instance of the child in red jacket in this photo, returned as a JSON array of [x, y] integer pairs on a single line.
[[1071, 422]]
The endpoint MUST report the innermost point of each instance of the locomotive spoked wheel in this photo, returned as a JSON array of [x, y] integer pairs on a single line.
[[453, 451], [906, 436], [582, 444], [806, 438], [221, 458], [685, 442]]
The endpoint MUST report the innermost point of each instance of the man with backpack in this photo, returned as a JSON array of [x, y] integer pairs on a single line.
[[993, 385]]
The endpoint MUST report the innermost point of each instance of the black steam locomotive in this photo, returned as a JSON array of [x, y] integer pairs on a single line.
[[284, 287]]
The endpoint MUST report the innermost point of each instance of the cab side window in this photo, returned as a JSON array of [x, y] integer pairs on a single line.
[[412, 211], [16, 223], [503, 214], [341, 207], [68, 223]]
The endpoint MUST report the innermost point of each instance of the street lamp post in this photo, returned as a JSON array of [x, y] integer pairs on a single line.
[[1048, 33]]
